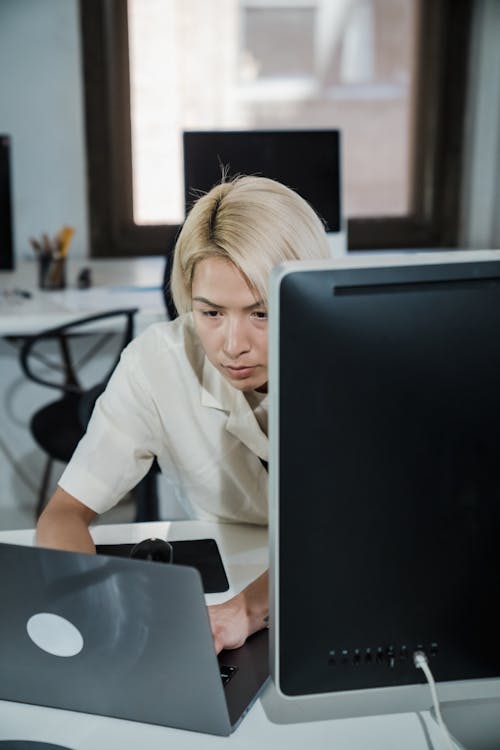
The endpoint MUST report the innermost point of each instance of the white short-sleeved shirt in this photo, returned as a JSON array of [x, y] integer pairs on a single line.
[[165, 399]]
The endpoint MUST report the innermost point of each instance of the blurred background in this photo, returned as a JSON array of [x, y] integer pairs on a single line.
[[94, 96]]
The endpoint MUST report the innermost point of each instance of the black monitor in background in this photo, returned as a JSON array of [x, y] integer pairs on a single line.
[[6, 242], [385, 482], [308, 161]]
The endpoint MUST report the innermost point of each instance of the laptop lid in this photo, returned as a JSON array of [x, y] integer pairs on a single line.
[[122, 638]]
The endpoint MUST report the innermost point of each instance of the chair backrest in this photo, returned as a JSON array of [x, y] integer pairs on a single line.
[[60, 365], [167, 295]]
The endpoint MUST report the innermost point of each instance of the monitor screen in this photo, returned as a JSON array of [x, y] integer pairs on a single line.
[[385, 479], [6, 225], [307, 161]]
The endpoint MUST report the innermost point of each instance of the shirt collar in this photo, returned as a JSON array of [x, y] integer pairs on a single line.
[[217, 393]]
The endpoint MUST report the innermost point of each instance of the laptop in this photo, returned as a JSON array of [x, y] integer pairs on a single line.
[[123, 638]]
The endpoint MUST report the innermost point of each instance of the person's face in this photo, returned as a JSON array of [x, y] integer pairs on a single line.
[[231, 323]]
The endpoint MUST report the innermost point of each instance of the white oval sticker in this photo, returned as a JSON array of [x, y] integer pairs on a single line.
[[54, 634]]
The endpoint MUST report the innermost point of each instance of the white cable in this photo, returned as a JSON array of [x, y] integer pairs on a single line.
[[420, 661]]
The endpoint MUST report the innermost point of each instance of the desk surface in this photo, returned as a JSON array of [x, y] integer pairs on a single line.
[[244, 551], [134, 282]]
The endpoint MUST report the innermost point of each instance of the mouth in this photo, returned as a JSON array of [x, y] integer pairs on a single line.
[[240, 373]]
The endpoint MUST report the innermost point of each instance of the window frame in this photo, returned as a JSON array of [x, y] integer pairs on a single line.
[[441, 91]]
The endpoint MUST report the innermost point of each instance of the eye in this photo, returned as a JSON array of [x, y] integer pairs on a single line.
[[260, 314], [211, 314]]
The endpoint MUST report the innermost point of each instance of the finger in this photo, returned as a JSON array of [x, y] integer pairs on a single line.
[[218, 644]]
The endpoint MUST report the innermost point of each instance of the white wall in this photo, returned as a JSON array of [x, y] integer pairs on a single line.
[[41, 108]]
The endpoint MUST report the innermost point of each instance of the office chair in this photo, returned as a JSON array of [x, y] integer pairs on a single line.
[[167, 295], [58, 427]]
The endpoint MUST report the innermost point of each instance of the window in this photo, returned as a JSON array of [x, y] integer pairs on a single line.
[[389, 73], [260, 57]]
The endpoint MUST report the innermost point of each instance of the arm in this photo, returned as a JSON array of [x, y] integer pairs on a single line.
[[64, 524], [246, 613], [111, 458]]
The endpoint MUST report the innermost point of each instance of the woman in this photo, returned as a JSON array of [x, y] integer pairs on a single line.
[[193, 392]]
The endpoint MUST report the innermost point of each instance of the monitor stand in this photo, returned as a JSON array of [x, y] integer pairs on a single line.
[[475, 724]]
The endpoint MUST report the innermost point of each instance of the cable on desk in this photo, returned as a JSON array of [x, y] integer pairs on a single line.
[[421, 662]]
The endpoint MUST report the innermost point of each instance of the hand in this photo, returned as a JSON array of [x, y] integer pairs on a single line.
[[229, 623], [246, 613]]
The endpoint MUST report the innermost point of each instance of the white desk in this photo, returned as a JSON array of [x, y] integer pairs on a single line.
[[244, 551], [134, 282]]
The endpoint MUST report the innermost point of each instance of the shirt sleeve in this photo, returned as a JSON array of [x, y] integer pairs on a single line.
[[118, 447]]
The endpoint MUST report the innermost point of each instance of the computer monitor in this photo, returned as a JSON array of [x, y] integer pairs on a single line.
[[6, 230], [307, 161], [385, 480]]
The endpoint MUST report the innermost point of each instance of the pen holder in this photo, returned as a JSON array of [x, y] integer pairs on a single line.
[[51, 273]]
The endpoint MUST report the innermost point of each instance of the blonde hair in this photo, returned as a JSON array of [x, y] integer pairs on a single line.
[[253, 222]]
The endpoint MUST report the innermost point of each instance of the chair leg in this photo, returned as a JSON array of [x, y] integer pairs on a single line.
[[146, 498], [42, 493]]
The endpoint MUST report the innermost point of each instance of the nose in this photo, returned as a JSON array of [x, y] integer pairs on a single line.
[[236, 339]]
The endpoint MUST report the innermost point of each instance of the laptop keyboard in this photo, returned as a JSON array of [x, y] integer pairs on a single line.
[[226, 673]]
